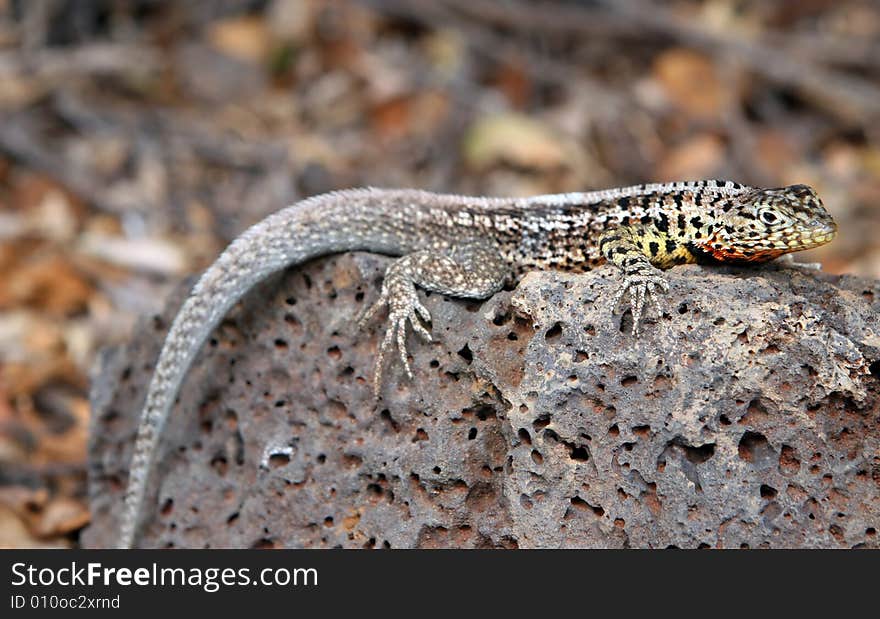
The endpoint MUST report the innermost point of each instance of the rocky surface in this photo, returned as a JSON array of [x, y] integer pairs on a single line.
[[748, 415]]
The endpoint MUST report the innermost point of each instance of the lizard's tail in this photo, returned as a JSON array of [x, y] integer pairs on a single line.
[[317, 226]]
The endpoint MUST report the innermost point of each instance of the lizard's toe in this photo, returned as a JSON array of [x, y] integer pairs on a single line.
[[788, 260], [384, 347], [656, 298], [399, 327], [368, 314], [405, 308], [419, 328], [422, 311], [642, 289]]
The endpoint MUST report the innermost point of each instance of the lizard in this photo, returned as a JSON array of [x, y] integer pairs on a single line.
[[471, 247]]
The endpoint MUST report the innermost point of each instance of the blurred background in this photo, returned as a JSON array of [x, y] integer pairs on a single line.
[[138, 137]]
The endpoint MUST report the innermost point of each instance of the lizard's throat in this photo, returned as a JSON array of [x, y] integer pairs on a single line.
[[716, 250]]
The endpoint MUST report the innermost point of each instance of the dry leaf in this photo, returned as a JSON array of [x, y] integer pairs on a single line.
[[244, 38], [691, 82], [61, 516], [514, 81], [70, 446], [24, 500], [390, 118], [33, 352], [45, 281], [517, 140], [14, 533], [699, 157], [152, 255], [409, 116]]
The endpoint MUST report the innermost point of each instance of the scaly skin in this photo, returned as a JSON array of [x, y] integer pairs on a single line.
[[470, 247]]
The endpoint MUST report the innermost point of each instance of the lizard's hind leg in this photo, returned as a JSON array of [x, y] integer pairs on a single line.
[[473, 269]]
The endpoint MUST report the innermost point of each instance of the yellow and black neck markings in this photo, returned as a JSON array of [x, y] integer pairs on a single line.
[[739, 225]]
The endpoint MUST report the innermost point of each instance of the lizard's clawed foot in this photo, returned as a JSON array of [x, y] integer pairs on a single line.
[[642, 289], [404, 307]]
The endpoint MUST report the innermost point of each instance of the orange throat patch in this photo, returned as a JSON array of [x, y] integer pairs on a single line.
[[726, 254]]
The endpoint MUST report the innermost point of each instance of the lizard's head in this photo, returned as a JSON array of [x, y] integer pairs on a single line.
[[762, 224]]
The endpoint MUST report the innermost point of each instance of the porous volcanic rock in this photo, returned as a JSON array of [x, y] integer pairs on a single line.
[[747, 415]]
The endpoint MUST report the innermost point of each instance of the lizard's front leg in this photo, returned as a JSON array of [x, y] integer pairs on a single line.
[[632, 248], [473, 269]]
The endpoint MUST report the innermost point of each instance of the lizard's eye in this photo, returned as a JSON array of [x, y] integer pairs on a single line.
[[768, 218]]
